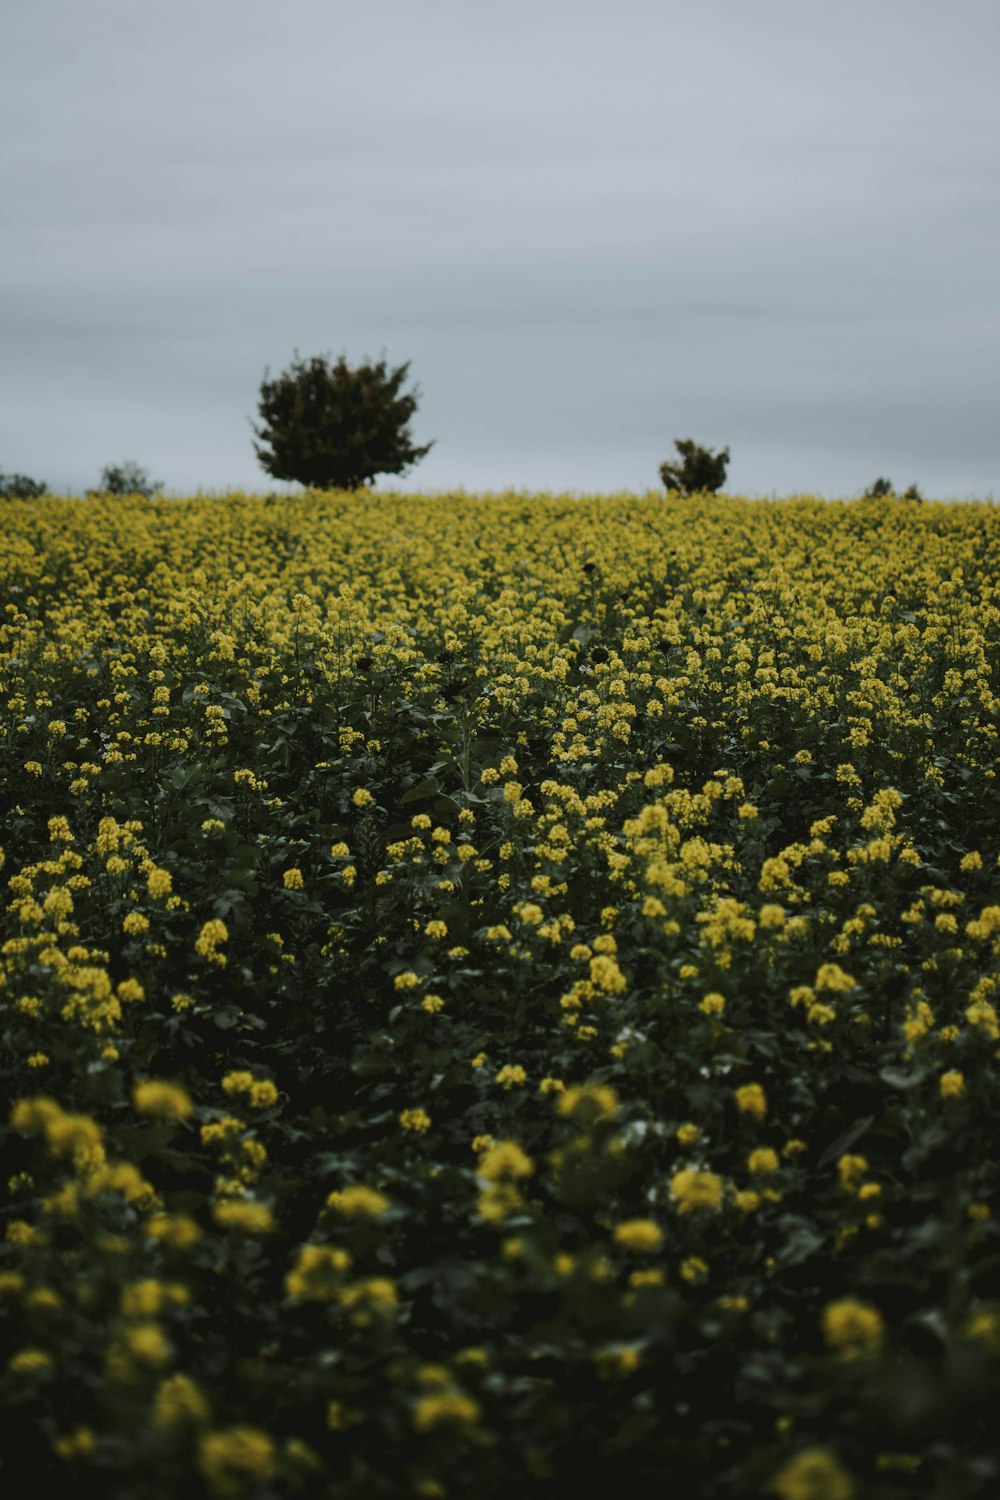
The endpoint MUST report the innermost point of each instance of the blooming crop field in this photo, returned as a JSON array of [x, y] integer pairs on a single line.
[[499, 996]]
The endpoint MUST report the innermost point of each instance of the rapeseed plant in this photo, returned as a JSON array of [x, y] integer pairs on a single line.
[[650, 849]]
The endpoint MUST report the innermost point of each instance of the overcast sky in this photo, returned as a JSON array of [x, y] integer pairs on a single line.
[[591, 228]]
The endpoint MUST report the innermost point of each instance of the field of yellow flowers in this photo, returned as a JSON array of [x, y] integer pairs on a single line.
[[499, 996]]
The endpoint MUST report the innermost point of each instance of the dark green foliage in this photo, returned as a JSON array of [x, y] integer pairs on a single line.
[[329, 426], [700, 469], [126, 478], [20, 487], [881, 488], [380, 756]]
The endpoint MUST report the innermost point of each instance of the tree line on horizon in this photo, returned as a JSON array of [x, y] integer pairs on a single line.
[[333, 426]]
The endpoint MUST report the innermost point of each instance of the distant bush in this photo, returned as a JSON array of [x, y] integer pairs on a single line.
[[884, 487], [700, 469], [126, 478], [20, 487]]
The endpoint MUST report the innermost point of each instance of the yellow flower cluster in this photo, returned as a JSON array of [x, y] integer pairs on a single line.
[[852, 1327], [260, 1093], [163, 1100]]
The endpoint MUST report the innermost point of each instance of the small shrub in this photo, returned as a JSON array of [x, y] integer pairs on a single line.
[[126, 478], [699, 471], [881, 488], [20, 487]]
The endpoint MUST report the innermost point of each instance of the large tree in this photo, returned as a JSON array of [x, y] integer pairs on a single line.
[[329, 426], [700, 469]]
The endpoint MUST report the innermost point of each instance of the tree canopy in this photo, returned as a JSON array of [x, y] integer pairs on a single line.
[[331, 426], [699, 470]]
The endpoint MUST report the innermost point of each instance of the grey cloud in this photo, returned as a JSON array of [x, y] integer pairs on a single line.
[[589, 230]]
